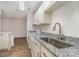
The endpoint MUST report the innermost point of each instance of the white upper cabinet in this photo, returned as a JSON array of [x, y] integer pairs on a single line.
[[35, 19], [43, 14], [40, 17], [53, 5], [48, 4]]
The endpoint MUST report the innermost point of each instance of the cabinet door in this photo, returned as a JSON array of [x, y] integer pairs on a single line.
[[36, 51], [31, 41], [28, 41], [4, 42], [43, 17], [46, 53], [36, 18], [43, 54], [41, 14], [33, 50], [0, 41], [48, 4]]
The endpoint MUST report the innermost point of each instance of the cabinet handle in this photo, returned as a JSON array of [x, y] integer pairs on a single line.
[[38, 54], [36, 43], [44, 54]]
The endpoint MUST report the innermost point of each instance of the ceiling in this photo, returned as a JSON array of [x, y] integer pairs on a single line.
[[11, 8]]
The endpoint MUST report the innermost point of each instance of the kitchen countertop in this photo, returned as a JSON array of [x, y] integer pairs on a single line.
[[72, 51], [5, 32]]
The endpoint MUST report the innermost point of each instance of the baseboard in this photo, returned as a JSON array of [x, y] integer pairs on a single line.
[[20, 38]]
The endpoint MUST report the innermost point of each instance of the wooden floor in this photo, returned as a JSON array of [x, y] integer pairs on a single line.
[[20, 49]]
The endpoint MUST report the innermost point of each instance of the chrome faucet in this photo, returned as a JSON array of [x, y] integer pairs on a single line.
[[60, 36]]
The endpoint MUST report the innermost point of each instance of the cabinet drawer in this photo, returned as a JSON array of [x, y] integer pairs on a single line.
[[46, 53]]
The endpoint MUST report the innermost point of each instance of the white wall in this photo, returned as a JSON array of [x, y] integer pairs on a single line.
[[68, 17], [17, 26], [0, 24]]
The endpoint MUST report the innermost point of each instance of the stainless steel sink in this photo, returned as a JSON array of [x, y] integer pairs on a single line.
[[57, 43]]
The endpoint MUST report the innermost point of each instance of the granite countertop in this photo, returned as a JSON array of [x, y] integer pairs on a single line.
[[5, 32], [72, 51]]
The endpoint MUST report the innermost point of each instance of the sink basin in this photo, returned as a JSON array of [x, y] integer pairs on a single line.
[[56, 43]]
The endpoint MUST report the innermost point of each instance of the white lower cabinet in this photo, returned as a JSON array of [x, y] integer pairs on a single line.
[[30, 40], [45, 52], [33, 51], [6, 40], [41, 51], [32, 45], [37, 49]]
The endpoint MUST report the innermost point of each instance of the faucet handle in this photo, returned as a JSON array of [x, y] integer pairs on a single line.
[[57, 37], [61, 37]]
